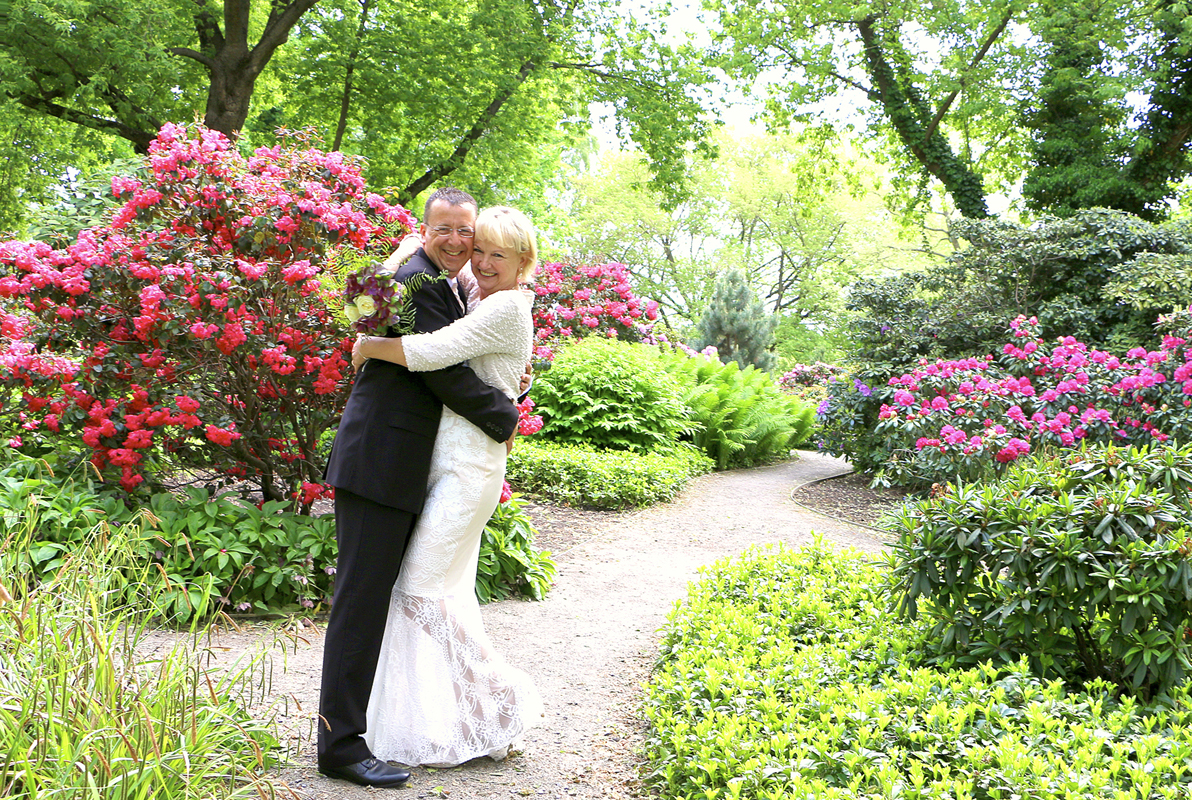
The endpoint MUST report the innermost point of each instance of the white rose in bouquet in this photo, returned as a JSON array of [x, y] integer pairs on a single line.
[[366, 305]]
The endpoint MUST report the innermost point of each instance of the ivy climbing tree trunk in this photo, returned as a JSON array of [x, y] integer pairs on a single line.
[[1161, 159], [1080, 105], [915, 122]]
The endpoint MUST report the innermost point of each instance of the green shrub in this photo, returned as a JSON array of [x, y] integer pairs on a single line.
[[611, 395], [208, 553], [1078, 563], [742, 418], [607, 479], [784, 675], [509, 563], [90, 708]]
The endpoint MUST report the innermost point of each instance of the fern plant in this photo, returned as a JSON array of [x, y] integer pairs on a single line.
[[743, 419]]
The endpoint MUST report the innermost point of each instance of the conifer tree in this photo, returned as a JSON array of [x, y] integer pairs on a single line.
[[736, 324]]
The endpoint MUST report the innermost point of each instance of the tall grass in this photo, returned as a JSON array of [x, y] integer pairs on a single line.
[[86, 713]]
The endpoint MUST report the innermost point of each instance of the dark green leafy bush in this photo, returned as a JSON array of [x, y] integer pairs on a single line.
[[609, 394], [203, 554], [783, 675], [509, 563], [207, 553], [1077, 563], [606, 479], [742, 418]]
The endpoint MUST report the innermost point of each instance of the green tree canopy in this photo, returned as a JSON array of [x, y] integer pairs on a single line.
[[967, 95], [488, 94], [125, 67], [801, 216]]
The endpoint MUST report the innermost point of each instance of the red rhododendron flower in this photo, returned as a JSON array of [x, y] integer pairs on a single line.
[[129, 307]]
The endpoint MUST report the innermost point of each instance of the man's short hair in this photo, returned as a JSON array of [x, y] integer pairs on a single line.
[[452, 197]]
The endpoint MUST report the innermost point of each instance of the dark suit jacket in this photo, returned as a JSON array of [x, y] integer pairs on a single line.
[[383, 447]]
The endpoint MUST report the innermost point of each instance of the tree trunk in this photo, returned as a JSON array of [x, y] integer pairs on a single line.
[[232, 65], [346, 101], [232, 81]]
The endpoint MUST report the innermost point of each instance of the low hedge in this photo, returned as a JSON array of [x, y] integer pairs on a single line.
[[580, 475], [784, 675]]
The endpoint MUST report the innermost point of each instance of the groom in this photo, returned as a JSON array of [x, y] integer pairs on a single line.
[[379, 467]]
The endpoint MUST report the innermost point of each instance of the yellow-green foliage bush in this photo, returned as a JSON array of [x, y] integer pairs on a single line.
[[783, 675]]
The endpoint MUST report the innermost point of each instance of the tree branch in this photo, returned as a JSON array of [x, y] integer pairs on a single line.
[[907, 113], [186, 52], [847, 81], [482, 123], [236, 13], [211, 38], [139, 138], [989, 40], [277, 31], [349, 72]]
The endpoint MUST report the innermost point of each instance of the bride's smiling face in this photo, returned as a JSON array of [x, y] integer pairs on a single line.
[[494, 267]]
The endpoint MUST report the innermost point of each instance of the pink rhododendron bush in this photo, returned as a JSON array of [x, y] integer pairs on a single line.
[[969, 418], [193, 332], [579, 300]]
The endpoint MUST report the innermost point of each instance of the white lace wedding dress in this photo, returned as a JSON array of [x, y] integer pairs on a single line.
[[442, 694]]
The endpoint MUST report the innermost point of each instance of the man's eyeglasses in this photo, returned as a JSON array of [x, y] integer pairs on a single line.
[[445, 230]]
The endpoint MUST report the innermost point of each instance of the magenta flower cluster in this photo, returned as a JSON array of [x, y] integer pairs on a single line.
[[578, 300], [960, 417], [809, 375]]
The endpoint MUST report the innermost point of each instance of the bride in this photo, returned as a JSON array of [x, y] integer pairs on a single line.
[[442, 694]]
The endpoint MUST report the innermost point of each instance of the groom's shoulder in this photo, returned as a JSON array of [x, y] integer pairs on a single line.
[[416, 265]]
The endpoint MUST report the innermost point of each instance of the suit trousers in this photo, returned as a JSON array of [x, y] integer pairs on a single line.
[[372, 541]]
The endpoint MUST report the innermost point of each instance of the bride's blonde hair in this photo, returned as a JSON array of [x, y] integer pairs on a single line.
[[511, 230]]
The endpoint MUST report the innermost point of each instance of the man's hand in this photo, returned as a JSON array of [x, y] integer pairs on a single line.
[[509, 443]]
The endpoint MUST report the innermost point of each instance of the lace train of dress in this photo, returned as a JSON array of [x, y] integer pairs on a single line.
[[442, 694]]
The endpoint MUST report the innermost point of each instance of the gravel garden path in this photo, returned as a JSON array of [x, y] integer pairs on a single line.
[[590, 645]]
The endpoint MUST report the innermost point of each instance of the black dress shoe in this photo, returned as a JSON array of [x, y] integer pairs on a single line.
[[369, 772]]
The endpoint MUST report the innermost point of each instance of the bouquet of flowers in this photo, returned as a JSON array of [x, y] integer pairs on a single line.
[[377, 303]]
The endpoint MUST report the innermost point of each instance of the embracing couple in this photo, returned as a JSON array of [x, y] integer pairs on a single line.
[[409, 674]]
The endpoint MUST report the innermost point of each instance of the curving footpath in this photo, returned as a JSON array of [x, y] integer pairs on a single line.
[[591, 643]]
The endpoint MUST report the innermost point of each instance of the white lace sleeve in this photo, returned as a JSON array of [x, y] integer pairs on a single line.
[[491, 328]]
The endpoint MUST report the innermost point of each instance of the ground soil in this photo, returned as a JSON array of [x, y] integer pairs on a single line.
[[590, 644]]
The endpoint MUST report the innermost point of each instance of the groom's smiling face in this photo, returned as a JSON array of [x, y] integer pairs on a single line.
[[441, 233]]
